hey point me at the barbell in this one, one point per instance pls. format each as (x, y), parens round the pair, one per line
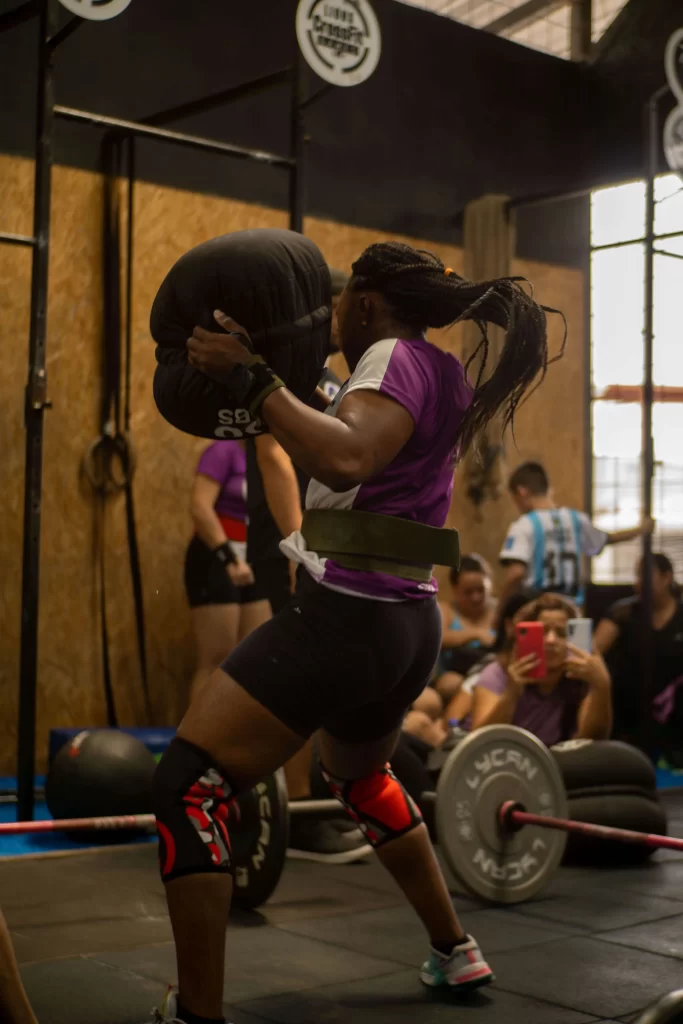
(500, 813)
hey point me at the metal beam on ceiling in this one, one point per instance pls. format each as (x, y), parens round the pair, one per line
(581, 29)
(526, 12)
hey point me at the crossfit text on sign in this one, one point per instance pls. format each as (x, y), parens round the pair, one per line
(340, 39)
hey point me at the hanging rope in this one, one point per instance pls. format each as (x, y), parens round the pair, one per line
(109, 463)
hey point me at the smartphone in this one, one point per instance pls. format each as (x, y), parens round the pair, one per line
(580, 633)
(530, 641)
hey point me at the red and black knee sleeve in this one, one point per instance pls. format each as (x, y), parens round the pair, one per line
(379, 803)
(191, 802)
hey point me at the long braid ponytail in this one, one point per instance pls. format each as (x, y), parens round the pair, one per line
(421, 293)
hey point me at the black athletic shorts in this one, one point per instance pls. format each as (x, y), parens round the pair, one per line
(346, 664)
(273, 582)
(207, 581)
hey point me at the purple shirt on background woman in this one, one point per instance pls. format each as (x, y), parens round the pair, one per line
(552, 717)
(226, 463)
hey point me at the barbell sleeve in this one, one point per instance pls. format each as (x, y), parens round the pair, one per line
(509, 814)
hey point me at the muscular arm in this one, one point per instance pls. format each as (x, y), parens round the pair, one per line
(514, 573)
(489, 709)
(340, 451)
(280, 484)
(595, 715)
(646, 526)
(594, 720)
(368, 431)
(206, 523)
(620, 536)
(605, 636)
(451, 638)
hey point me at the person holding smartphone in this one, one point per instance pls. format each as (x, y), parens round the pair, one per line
(542, 682)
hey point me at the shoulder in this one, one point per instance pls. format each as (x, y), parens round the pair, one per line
(219, 453)
(522, 524)
(623, 611)
(394, 368)
(415, 356)
(521, 527)
(493, 678)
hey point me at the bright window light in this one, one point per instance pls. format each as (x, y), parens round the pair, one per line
(617, 348)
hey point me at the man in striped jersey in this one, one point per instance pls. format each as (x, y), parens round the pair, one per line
(544, 549)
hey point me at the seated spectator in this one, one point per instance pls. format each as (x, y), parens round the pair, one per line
(619, 637)
(420, 725)
(429, 723)
(468, 631)
(459, 707)
(572, 700)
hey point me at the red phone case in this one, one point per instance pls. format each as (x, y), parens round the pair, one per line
(530, 641)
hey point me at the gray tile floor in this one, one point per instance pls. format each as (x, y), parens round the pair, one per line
(337, 944)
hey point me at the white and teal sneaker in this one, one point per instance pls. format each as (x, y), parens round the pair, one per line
(169, 1009)
(464, 969)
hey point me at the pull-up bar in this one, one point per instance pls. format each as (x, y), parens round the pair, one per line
(50, 36)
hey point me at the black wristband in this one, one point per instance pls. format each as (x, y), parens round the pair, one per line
(264, 382)
(224, 553)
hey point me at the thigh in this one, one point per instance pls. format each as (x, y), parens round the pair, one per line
(429, 702)
(347, 760)
(206, 580)
(215, 629)
(273, 582)
(392, 671)
(252, 615)
(281, 665)
(447, 685)
(237, 731)
(424, 728)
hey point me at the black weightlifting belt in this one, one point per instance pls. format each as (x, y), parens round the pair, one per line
(375, 543)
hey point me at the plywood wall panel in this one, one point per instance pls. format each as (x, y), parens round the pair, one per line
(167, 223)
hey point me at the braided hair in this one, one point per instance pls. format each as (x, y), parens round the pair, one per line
(422, 293)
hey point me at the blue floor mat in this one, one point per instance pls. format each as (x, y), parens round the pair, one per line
(669, 778)
(50, 842)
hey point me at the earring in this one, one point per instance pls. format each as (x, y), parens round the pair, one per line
(364, 323)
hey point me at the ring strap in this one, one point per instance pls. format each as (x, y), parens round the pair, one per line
(371, 542)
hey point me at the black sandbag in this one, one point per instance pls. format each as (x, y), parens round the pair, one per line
(275, 284)
(587, 763)
(636, 812)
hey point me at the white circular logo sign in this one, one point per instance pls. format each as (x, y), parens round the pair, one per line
(340, 39)
(95, 10)
(673, 62)
(673, 140)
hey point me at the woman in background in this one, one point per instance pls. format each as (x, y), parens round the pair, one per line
(619, 637)
(467, 624)
(226, 604)
(573, 698)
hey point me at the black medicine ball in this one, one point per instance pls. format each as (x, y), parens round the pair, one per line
(100, 773)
